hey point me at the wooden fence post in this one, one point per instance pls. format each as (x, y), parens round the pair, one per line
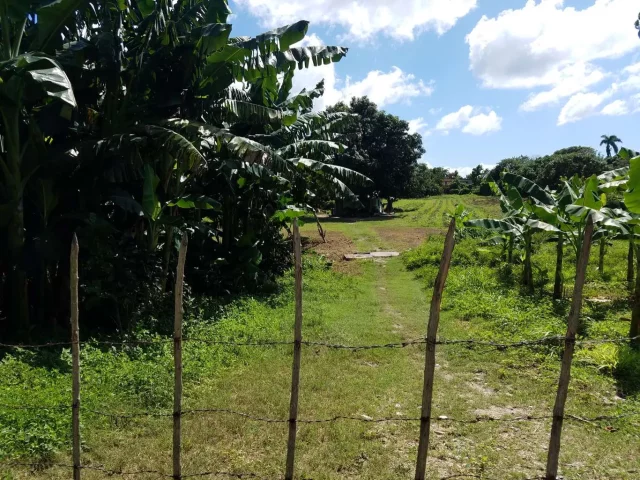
(75, 358)
(297, 353)
(177, 360)
(567, 357)
(430, 356)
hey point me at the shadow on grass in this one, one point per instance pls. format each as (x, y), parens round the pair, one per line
(627, 371)
(49, 358)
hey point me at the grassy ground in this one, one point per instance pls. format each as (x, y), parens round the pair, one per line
(373, 302)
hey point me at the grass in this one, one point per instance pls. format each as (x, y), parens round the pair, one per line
(385, 302)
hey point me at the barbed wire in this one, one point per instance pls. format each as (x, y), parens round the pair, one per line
(337, 418)
(552, 340)
(211, 473)
(123, 473)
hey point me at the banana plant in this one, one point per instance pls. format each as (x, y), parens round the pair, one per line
(632, 202)
(519, 223)
(31, 83)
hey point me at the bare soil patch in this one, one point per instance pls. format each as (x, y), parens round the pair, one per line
(337, 246)
(405, 238)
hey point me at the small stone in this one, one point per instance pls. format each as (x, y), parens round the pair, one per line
(366, 417)
(443, 417)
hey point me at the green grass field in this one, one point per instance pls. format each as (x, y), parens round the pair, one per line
(375, 302)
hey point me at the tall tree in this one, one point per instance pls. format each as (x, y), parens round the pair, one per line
(380, 146)
(611, 143)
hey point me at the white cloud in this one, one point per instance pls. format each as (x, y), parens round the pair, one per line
(466, 171)
(572, 79)
(586, 104)
(540, 44)
(618, 107)
(364, 19)
(418, 125)
(383, 88)
(434, 111)
(483, 123)
(470, 120)
(388, 88)
(632, 69)
(581, 106)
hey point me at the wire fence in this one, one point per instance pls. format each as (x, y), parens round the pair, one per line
(567, 342)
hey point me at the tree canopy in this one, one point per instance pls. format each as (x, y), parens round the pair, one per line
(379, 145)
(547, 171)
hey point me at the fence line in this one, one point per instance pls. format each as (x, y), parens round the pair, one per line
(239, 475)
(568, 341)
(557, 341)
(364, 419)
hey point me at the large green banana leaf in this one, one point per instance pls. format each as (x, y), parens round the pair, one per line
(350, 176)
(528, 188)
(33, 78)
(497, 225)
(632, 195)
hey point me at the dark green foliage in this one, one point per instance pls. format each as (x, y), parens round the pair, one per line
(547, 171)
(425, 181)
(149, 121)
(380, 146)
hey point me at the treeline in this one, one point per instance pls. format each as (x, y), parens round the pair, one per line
(546, 171)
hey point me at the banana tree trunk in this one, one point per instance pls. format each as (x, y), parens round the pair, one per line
(528, 270)
(510, 249)
(603, 246)
(167, 258)
(634, 331)
(228, 221)
(559, 280)
(630, 266)
(19, 301)
(19, 311)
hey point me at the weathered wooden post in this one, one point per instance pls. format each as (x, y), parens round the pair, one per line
(297, 353)
(567, 357)
(430, 356)
(177, 360)
(75, 358)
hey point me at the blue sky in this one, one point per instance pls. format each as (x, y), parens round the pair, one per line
(481, 80)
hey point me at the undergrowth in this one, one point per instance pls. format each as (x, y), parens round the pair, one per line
(483, 291)
(138, 378)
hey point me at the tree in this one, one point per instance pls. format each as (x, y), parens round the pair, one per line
(380, 146)
(521, 165)
(564, 163)
(548, 171)
(477, 175)
(637, 25)
(425, 181)
(611, 143)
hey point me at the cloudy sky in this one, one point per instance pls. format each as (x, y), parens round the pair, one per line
(478, 81)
